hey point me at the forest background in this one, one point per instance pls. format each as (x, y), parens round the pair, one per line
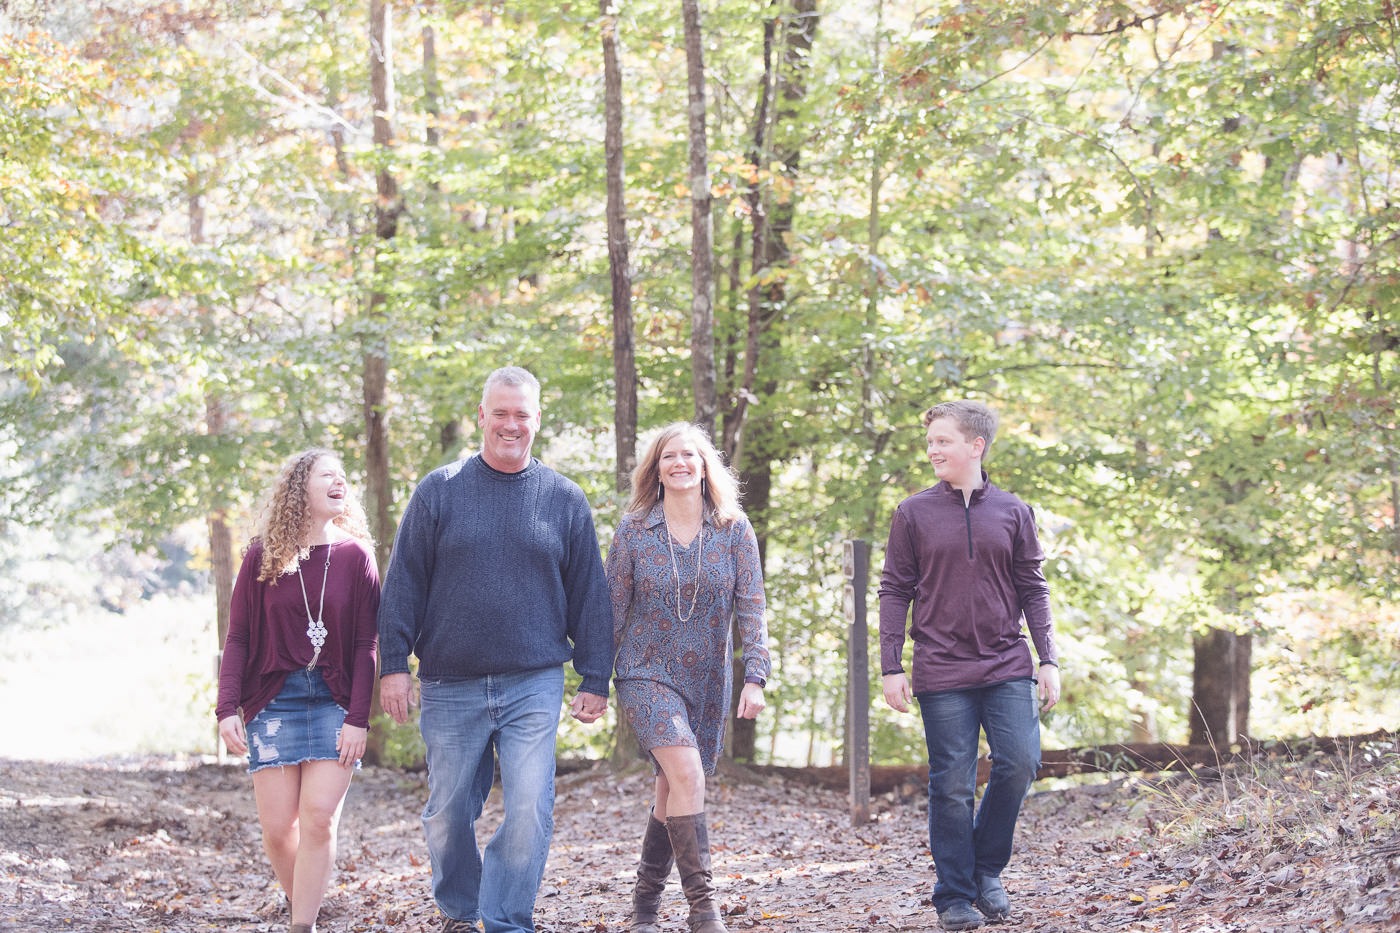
(1163, 238)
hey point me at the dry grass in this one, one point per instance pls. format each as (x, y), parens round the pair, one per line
(1316, 837)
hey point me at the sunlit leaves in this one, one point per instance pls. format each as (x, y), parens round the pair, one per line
(1160, 237)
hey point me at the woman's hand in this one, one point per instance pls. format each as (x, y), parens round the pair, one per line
(231, 731)
(751, 701)
(351, 744)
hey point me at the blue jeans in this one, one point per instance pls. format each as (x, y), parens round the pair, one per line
(463, 722)
(966, 847)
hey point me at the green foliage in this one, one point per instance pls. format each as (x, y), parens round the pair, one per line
(403, 744)
(1160, 238)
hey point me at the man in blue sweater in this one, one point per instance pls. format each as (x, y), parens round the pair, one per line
(494, 583)
(966, 556)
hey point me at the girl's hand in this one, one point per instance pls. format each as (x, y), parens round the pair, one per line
(351, 744)
(231, 731)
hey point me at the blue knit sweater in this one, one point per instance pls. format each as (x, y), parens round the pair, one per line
(496, 573)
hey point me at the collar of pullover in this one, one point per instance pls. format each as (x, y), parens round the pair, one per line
(496, 474)
(952, 492)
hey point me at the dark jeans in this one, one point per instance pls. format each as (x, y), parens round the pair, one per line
(967, 846)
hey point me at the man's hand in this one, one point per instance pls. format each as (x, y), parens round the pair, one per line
(588, 707)
(396, 695)
(898, 693)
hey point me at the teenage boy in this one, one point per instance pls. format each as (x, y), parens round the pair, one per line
(966, 556)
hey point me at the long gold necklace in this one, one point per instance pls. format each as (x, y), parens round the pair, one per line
(676, 569)
(315, 628)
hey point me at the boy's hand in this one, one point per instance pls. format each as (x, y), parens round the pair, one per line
(898, 693)
(1048, 686)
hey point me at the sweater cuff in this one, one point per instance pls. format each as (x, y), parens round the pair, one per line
(590, 686)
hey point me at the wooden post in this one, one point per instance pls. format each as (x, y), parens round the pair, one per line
(219, 754)
(855, 566)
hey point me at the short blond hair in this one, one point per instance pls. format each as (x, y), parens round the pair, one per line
(974, 419)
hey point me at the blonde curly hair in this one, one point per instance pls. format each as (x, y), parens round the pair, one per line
(285, 520)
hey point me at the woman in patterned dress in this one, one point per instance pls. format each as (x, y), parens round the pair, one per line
(683, 566)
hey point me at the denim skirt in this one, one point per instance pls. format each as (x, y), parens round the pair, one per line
(302, 723)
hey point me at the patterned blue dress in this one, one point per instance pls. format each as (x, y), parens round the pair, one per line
(674, 679)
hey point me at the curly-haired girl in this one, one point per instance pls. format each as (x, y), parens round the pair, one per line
(298, 669)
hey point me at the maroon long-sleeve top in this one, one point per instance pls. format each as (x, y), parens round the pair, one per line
(972, 572)
(267, 637)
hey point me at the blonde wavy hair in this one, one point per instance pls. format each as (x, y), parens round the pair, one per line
(285, 520)
(721, 486)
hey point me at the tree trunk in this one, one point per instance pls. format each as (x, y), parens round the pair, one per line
(378, 496)
(910, 781)
(222, 558)
(625, 748)
(784, 82)
(758, 486)
(376, 354)
(874, 233)
(1220, 688)
(753, 444)
(1221, 657)
(436, 209)
(702, 276)
(624, 354)
(221, 551)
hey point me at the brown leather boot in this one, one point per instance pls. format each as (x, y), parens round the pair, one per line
(302, 928)
(690, 842)
(652, 871)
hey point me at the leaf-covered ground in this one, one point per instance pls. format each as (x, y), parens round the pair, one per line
(166, 846)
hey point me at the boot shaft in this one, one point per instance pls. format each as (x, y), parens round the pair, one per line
(657, 858)
(653, 869)
(690, 841)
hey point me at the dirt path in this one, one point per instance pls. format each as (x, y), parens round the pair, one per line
(160, 846)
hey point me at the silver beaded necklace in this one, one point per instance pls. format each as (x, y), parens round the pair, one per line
(315, 628)
(676, 569)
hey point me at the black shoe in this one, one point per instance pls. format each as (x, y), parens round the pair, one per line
(991, 898)
(959, 915)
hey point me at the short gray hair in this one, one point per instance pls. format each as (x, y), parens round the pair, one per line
(511, 376)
